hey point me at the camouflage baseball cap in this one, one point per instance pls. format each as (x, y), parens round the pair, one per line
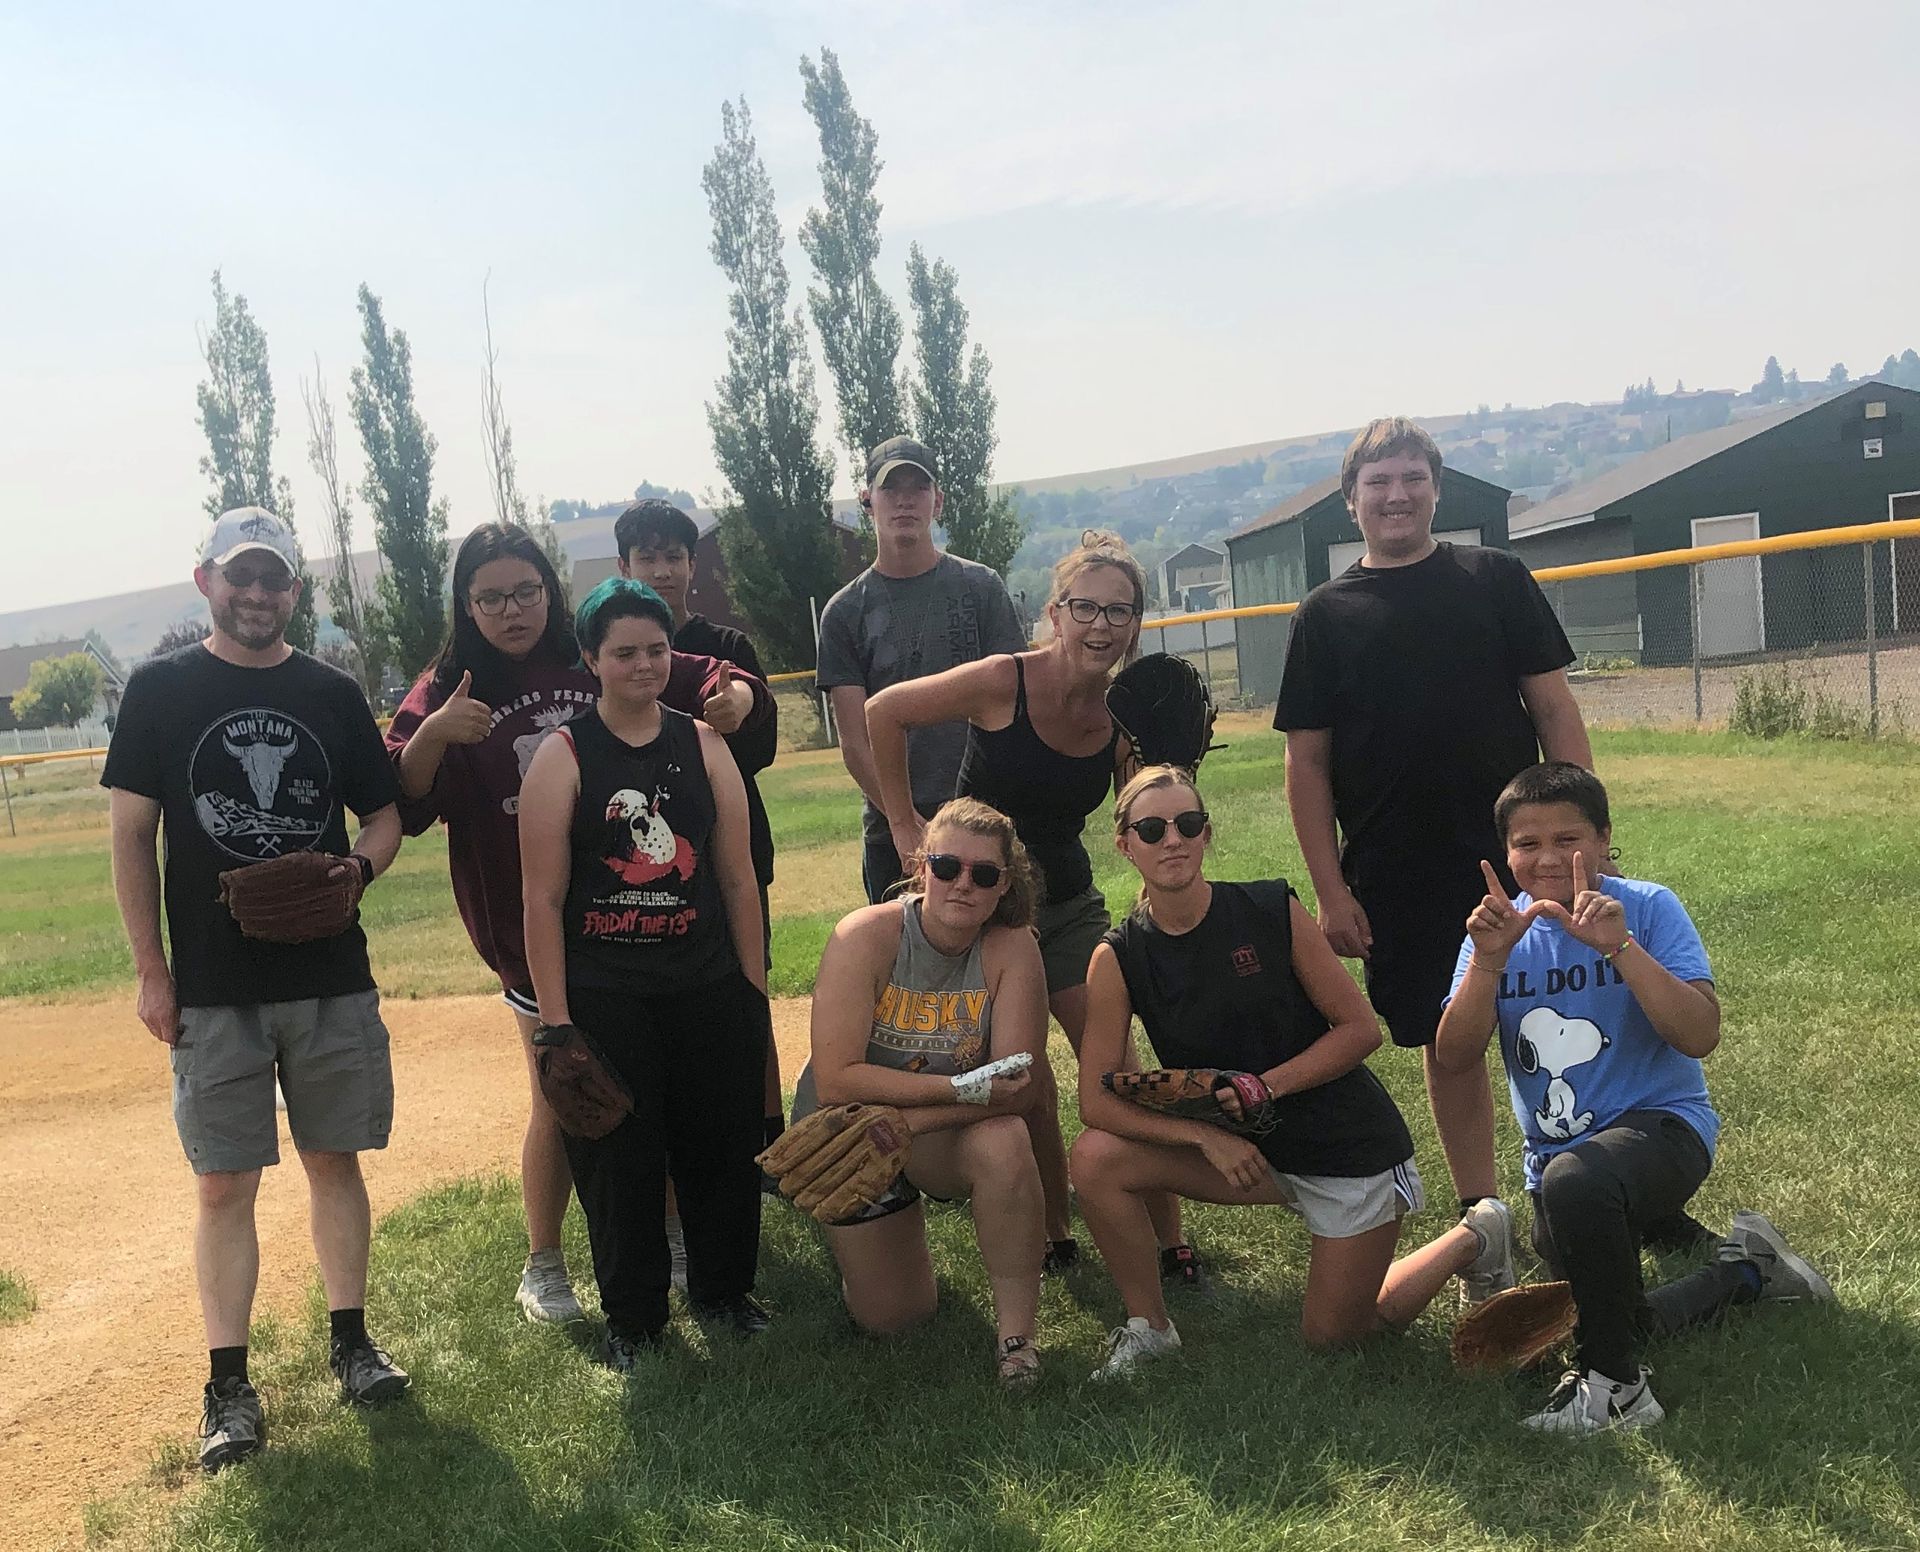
(894, 452)
(249, 528)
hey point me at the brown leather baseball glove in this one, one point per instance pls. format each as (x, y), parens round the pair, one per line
(587, 1095)
(839, 1159)
(293, 899)
(1194, 1092)
(1516, 1329)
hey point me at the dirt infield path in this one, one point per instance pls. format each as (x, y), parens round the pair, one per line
(96, 1214)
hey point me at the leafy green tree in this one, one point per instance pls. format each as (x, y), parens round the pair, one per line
(954, 406)
(858, 323)
(60, 691)
(408, 617)
(1772, 386)
(1837, 375)
(236, 413)
(181, 633)
(1907, 369)
(776, 526)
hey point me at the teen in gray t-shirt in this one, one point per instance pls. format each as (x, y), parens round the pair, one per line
(879, 630)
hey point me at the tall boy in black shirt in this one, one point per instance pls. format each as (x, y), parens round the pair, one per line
(1418, 682)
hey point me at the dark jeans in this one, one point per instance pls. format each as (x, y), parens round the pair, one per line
(696, 1062)
(879, 867)
(1597, 1202)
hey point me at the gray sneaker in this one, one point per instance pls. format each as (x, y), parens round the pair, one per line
(1491, 1271)
(1136, 1343)
(546, 1295)
(366, 1374)
(1784, 1275)
(232, 1426)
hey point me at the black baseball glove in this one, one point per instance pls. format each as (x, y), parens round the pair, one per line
(1163, 706)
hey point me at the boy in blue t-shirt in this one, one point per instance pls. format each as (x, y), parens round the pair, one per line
(1604, 1002)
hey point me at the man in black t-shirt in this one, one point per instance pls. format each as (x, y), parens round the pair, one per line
(244, 749)
(1418, 682)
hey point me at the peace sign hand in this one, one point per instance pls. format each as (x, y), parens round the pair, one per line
(1595, 919)
(1494, 925)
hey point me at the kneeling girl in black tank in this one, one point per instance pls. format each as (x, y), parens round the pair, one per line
(639, 888)
(911, 997)
(1042, 749)
(1238, 976)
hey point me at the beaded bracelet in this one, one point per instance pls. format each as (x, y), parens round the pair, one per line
(1620, 950)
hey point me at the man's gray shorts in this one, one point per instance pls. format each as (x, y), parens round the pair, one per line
(334, 1067)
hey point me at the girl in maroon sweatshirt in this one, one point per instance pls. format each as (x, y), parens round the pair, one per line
(463, 738)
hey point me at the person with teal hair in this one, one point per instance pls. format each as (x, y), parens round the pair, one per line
(643, 929)
(508, 678)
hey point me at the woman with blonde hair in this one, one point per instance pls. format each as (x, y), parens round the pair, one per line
(912, 997)
(1043, 750)
(1238, 976)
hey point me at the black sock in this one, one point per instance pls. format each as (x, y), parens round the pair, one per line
(771, 1128)
(349, 1326)
(229, 1363)
(1468, 1203)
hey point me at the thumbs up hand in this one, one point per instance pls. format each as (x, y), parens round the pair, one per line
(728, 701)
(461, 719)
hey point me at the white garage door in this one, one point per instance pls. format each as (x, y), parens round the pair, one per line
(1731, 619)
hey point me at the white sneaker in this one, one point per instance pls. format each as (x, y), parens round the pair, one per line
(1491, 1271)
(1136, 1343)
(546, 1294)
(1596, 1404)
(677, 1253)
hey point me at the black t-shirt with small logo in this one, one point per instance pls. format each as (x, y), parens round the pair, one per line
(1225, 995)
(248, 764)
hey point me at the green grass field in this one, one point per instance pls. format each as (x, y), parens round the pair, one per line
(16, 1299)
(1788, 1429)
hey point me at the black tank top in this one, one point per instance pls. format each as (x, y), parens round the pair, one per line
(1046, 794)
(644, 911)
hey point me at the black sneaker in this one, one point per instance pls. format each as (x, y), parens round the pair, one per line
(232, 1426)
(742, 1312)
(622, 1353)
(367, 1375)
(1181, 1267)
(1061, 1254)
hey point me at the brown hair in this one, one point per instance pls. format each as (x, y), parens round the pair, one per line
(1018, 905)
(1098, 547)
(1150, 778)
(1386, 437)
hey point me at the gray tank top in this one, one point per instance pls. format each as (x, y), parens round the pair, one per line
(932, 1016)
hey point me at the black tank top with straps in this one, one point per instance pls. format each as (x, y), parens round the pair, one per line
(644, 911)
(1046, 794)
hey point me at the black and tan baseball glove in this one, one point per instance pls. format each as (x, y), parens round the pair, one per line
(1195, 1093)
(586, 1093)
(293, 899)
(1164, 707)
(839, 1160)
(1516, 1329)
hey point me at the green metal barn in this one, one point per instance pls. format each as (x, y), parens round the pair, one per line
(1851, 458)
(1284, 554)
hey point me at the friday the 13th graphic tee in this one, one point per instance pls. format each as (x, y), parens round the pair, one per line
(248, 764)
(644, 910)
(1579, 1049)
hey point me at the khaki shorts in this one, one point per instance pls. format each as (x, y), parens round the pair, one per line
(1343, 1206)
(332, 1060)
(1069, 931)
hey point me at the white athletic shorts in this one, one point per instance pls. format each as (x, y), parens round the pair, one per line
(1343, 1206)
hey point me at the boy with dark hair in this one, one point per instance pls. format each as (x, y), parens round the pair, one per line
(1604, 1002)
(658, 543)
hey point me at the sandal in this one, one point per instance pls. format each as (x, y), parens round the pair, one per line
(1018, 1362)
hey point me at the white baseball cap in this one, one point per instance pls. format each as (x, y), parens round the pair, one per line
(249, 528)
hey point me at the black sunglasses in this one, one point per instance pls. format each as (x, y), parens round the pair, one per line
(272, 579)
(946, 867)
(1153, 829)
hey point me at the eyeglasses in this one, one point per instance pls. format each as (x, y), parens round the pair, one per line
(1153, 829)
(526, 595)
(272, 579)
(1085, 611)
(946, 867)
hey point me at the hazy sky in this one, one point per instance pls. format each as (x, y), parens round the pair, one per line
(1177, 227)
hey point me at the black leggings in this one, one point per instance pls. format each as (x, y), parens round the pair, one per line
(1597, 1202)
(696, 1062)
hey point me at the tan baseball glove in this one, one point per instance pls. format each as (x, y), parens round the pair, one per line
(1516, 1329)
(839, 1160)
(293, 899)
